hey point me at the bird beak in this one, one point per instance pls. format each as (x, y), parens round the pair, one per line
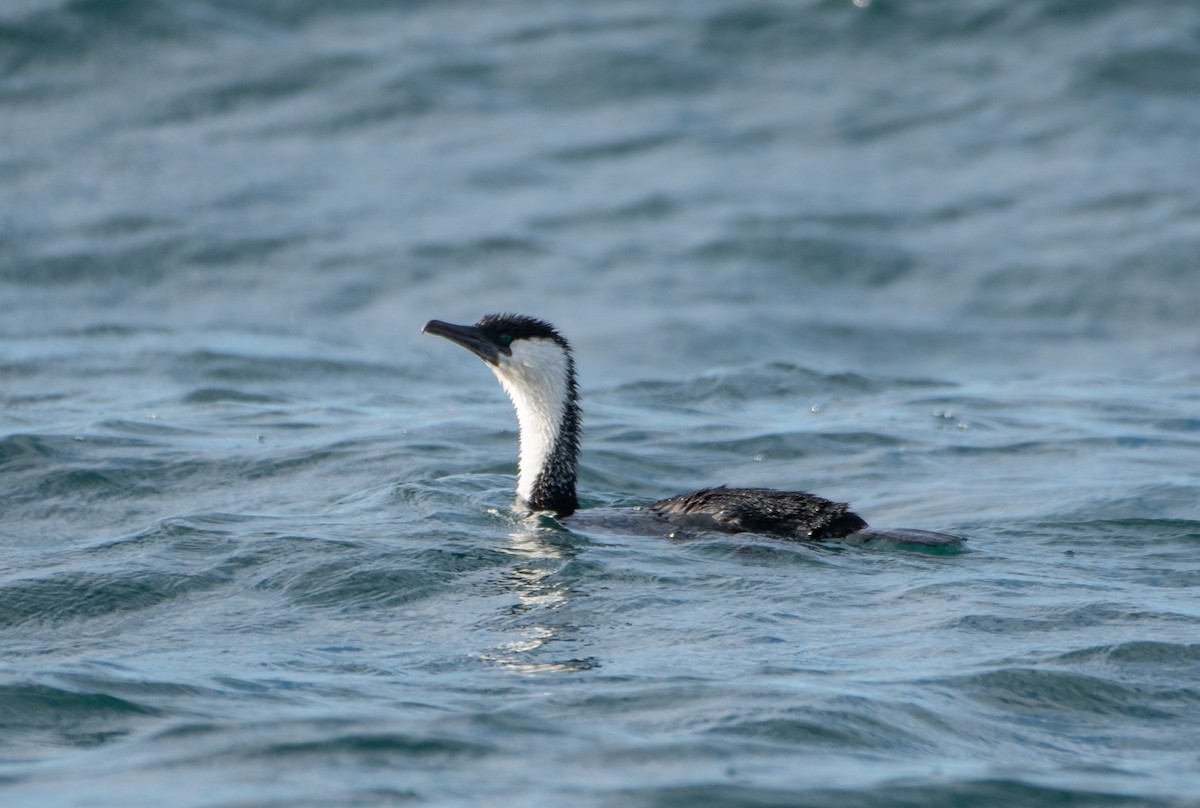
(467, 336)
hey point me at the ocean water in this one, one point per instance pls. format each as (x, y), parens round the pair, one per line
(259, 545)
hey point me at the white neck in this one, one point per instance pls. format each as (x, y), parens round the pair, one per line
(536, 379)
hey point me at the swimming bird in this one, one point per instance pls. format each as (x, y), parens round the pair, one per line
(535, 366)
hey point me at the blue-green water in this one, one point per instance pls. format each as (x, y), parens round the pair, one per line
(941, 259)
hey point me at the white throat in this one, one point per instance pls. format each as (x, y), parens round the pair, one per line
(536, 380)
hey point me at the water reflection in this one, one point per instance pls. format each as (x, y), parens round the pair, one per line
(541, 581)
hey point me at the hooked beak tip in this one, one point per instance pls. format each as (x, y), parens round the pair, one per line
(467, 336)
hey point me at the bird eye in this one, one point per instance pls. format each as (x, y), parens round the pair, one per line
(506, 339)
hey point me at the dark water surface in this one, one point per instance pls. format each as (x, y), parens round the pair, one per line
(941, 259)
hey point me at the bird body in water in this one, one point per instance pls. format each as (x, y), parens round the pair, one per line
(535, 366)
